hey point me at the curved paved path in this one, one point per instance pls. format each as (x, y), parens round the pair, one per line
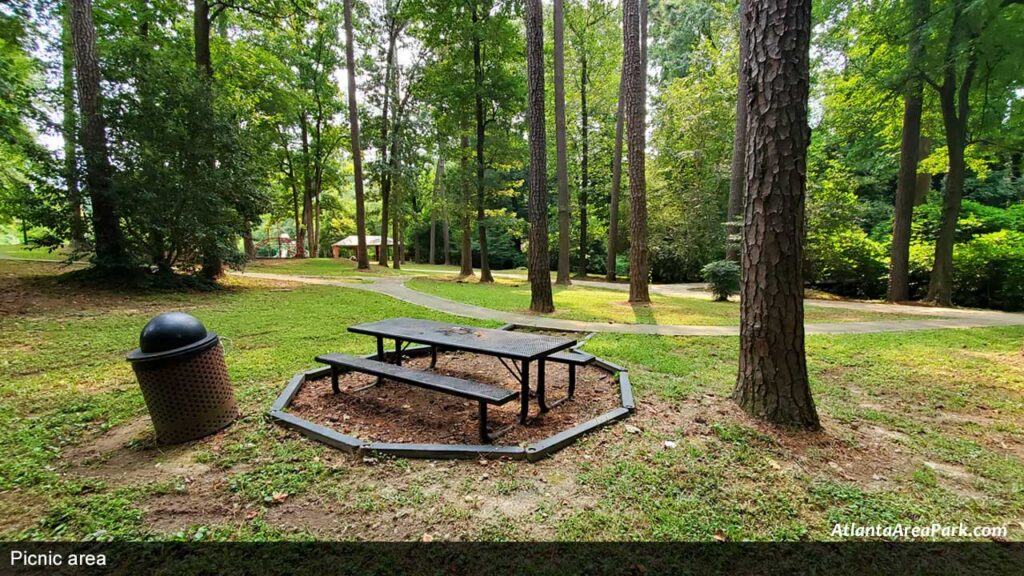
(394, 286)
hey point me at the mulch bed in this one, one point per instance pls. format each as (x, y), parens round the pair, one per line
(395, 412)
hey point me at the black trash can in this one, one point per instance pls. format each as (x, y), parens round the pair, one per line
(180, 368)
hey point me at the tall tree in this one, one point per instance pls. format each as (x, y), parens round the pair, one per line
(69, 131)
(438, 195)
(392, 26)
(613, 202)
(363, 263)
(536, 180)
(635, 69)
(466, 252)
(772, 382)
(737, 173)
(481, 123)
(110, 248)
(561, 152)
(913, 100)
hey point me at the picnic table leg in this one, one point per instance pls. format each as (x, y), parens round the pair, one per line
(484, 438)
(524, 394)
(398, 352)
(540, 386)
(433, 356)
(572, 380)
(334, 379)
(380, 349)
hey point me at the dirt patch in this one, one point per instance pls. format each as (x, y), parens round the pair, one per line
(308, 514)
(956, 479)
(174, 512)
(19, 511)
(129, 453)
(394, 412)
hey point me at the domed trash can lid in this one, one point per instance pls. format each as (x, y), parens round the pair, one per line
(170, 335)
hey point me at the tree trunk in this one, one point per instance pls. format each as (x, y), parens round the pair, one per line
(385, 174)
(467, 228)
(954, 102)
(613, 204)
(363, 263)
(561, 148)
(110, 249)
(396, 223)
(446, 239)
(305, 245)
(438, 193)
(478, 97)
(737, 174)
(212, 264)
(636, 77)
(248, 244)
(899, 258)
(536, 179)
(772, 382)
(584, 164)
(69, 131)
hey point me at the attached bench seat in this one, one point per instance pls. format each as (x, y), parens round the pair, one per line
(484, 394)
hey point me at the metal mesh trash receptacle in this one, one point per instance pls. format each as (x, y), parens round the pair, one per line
(180, 368)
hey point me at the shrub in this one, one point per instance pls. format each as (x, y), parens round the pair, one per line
(724, 278)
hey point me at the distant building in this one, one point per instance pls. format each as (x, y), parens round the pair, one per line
(351, 242)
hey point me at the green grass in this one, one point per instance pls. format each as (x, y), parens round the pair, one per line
(600, 305)
(20, 251)
(952, 398)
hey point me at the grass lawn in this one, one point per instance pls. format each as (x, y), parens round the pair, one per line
(599, 305)
(20, 251)
(920, 427)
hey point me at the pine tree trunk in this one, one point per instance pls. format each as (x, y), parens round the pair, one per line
(69, 131)
(467, 228)
(737, 175)
(305, 245)
(110, 249)
(536, 179)
(385, 173)
(899, 258)
(446, 239)
(636, 78)
(478, 92)
(363, 263)
(772, 382)
(561, 147)
(584, 165)
(437, 193)
(613, 204)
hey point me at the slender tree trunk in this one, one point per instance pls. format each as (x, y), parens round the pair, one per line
(363, 263)
(584, 165)
(478, 92)
(396, 223)
(212, 264)
(304, 245)
(69, 131)
(438, 193)
(737, 174)
(613, 204)
(772, 382)
(899, 259)
(247, 242)
(561, 147)
(536, 180)
(446, 239)
(636, 75)
(110, 248)
(467, 228)
(385, 174)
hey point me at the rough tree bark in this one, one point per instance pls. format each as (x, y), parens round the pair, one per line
(737, 174)
(772, 382)
(363, 263)
(385, 175)
(110, 249)
(899, 257)
(481, 123)
(69, 131)
(537, 261)
(584, 165)
(954, 102)
(634, 51)
(561, 147)
(466, 253)
(613, 203)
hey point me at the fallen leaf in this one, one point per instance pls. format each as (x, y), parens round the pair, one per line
(632, 429)
(428, 538)
(279, 497)
(668, 444)
(720, 535)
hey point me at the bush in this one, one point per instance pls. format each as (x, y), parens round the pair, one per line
(988, 271)
(724, 278)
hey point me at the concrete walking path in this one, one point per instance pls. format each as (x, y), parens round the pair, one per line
(394, 286)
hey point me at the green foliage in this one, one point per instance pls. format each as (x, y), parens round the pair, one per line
(723, 277)
(989, 271)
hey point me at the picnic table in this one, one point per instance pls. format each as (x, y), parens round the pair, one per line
(515, 350)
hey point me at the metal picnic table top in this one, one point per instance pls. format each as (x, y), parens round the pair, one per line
(489, 341)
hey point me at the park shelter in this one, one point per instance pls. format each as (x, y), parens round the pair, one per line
(350, 243)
